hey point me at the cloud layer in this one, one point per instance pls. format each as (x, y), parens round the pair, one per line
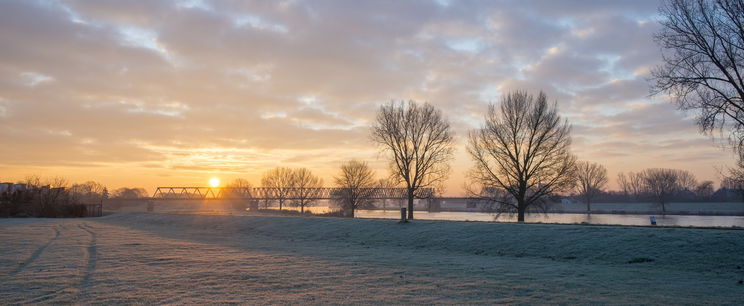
(172, 92)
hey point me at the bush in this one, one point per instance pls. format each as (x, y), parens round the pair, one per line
(40, 203)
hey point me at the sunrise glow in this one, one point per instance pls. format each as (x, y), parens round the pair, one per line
(249, 99)
(214, 182)
(372, 152)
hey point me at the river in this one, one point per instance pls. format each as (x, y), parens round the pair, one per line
(568, 218)
(563, 218)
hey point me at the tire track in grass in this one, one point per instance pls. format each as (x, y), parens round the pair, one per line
(75, 291)
(91, 256)
(43, 298)
(35, 255)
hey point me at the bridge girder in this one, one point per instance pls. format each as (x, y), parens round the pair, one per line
(283, 193)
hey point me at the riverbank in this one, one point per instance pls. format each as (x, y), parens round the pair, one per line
(166, 258)
(635, 208)
(645, 208)
(696, 221)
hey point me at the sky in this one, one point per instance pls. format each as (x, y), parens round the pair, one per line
(172, 93)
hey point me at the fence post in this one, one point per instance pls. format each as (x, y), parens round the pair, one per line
(403, 215)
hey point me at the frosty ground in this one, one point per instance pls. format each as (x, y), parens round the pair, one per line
(184, 259)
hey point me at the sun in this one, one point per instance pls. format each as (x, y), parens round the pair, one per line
(214, 182)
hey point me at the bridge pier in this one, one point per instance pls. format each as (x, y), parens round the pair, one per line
(252, 204)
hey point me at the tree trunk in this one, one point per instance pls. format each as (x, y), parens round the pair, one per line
(588, 207)
(280, 204)
(520, 211)
(302, 208)
(663, 208)
(410, 204)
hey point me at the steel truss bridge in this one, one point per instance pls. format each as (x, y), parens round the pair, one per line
(270, 193)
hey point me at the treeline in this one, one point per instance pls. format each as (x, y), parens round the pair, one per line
(522, 159)
(662, 186)
(56, 197)
(355, 182)
(521, 154)
(656, 185)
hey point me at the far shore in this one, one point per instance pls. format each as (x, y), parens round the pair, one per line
(629, 208)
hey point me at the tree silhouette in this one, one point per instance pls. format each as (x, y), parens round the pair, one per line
(419, 143)
(663, 184)
(306, 186)
(703, 61)
(358, 184)
(592, 178)
(523, 149)
(280, 182)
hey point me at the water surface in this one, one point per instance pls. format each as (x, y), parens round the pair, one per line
(562, 218)
(567, 218)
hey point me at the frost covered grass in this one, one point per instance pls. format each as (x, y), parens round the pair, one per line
(165, 258)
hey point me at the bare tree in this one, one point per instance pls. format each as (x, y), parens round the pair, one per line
(623, 183)
(358, 185)
(663, 184)
(51, 194)
(129, 193)
(734, 185)
(592, 178)
(524, 149)
(32, 181)
(686, 181)
(279, 182)
(704, 189)
(306, 187)
(703, 54)
(734, 179)
(88, 192)
(239, 183)
(239, 187)
(57, 182)
(419, 141)
(631, 185)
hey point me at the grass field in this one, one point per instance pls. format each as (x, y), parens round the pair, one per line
(183, 259)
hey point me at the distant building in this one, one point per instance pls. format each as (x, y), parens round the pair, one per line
(5, 187)
(18, 187)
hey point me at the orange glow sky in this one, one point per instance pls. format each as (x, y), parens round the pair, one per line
(151, 93)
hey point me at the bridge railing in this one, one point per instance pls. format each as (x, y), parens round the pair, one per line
(276, 193)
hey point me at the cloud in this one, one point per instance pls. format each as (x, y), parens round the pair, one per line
(174, 89)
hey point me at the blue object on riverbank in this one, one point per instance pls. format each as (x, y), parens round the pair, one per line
(653, 220)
